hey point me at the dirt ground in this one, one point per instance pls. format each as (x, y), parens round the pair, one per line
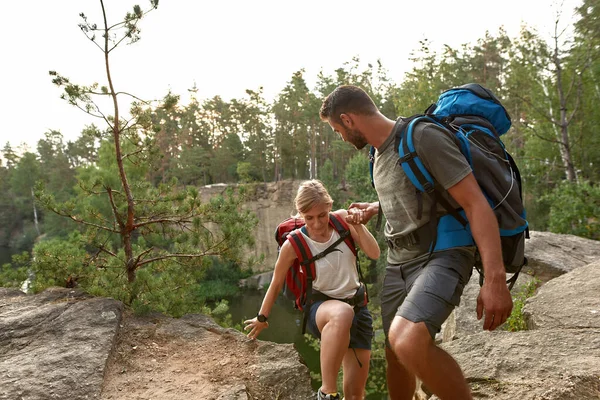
(151, 365)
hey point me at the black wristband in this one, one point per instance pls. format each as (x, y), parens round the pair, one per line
(261, 318)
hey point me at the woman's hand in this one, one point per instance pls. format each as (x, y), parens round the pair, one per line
(255, 327)
(361, 213)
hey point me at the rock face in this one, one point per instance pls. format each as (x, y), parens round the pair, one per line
(272, 202)
(55, 345)
(551, 254)
(569, 302)
(463, 320)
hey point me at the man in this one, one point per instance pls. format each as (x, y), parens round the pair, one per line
(421, 289)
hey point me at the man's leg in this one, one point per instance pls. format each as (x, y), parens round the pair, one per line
(416, 350)
(432, 292)
(334, 319)
(401, 383)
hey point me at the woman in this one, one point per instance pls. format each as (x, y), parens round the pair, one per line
(345, 331)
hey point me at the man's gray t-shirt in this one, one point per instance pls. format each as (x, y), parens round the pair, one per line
(398, 196)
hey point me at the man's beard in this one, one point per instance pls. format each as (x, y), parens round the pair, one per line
(356, 138)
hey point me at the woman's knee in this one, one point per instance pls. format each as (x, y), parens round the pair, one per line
(339, 314)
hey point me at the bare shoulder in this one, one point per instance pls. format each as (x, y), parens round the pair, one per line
(287, 250)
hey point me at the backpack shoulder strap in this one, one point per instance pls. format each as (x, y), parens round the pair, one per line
(302, 252)
(409, 159)
(344, 230)
(413, 166)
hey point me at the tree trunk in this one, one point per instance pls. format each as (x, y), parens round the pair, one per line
(128, 226)
(565, 148)
(35, 216)
(313, 152)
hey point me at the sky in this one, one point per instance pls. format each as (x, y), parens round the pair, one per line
(224, 47)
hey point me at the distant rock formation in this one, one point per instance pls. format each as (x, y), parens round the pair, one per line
(272, 202)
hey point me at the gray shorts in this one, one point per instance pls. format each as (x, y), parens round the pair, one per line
(428, 292)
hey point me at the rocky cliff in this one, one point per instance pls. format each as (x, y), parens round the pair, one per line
(272, 202)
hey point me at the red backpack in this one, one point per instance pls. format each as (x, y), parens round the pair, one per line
(298, 280)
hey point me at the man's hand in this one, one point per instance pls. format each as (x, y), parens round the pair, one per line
(495, 301)
(361, 213)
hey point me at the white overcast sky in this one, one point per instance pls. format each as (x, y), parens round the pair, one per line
(227, 46)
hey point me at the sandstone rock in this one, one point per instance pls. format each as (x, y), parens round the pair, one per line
(463, 320)
(570, 301)
(55, 345)
(203, 361)
(552, 254)
(272, 202)
(260, 281)
(531, 365)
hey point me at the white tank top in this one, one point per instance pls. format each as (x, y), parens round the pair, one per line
(337, 276)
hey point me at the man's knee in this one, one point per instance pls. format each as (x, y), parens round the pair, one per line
(408, 340)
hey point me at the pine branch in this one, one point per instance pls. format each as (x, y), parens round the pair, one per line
(114, 207)
(178, 255)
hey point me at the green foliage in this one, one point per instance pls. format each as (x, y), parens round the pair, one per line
(220, 313)
(57, 262)
(326, 175)
(15, 273)
(245, 172)
(169, 286)
(574, 209)
(516, 320)
(359, 178)
(377, 382)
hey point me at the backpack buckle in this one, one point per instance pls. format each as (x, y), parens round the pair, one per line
(407, 157)
(405, 241)
(428, 187)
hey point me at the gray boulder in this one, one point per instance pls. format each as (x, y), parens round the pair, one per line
(558, 359)
(55, 345)
(552, 254)
(571, 301)
(553, 364)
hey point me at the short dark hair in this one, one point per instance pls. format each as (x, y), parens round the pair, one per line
(346, 99)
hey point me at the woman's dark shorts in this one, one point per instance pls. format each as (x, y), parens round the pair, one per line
(361, 332)
(427, 292)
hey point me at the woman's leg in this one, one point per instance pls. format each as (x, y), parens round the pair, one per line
(355, 374)
(334, 319)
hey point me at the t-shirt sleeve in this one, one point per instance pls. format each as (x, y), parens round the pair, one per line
(440, 155)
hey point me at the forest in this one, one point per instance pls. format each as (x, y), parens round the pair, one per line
(118, 211)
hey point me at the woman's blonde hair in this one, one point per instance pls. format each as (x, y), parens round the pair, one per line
(311, 193)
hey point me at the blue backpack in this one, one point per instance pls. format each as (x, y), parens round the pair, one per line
(476, 119)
